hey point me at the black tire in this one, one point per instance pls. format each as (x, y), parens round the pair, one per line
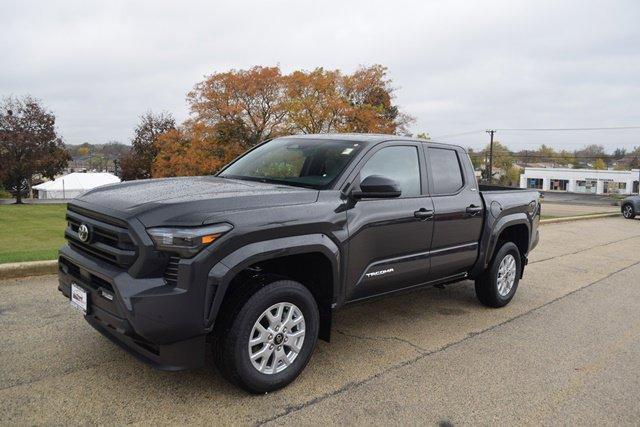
(627, 211)
(487, 284)
(231, 340)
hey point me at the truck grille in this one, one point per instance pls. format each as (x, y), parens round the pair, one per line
(109, 238)
(171, 271)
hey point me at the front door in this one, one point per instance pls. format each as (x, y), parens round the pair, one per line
(389, 238)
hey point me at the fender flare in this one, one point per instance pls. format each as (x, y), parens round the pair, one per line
(220, 276)
(488, 245)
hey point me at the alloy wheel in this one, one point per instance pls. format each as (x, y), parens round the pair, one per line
(506, 275)
(276, 338)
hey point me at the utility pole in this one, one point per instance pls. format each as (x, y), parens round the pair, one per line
(491, 132)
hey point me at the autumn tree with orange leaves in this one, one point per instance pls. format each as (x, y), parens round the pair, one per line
(249, 102)
(235, 110)
(315, 102)
(195, 149)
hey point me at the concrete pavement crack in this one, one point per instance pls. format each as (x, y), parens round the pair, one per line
(402, 340)
(353, 384)
(59, 374)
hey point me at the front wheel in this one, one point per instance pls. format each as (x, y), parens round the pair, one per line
(269, 339)
(497, 286)
(628, 212)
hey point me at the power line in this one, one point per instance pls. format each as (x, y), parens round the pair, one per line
(552, 156)
(527, 156)
(563, 143)
(457, 134)
(452, 135)
(566, 129)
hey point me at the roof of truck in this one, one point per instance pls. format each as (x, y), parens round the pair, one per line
(371, 138)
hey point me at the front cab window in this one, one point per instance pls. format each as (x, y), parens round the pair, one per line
(399, 163)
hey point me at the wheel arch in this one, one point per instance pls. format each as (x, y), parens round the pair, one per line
(515, 228)
(312, 260)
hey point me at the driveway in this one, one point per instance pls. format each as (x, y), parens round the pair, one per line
(566, 350)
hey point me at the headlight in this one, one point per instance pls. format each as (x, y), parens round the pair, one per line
(187, 241)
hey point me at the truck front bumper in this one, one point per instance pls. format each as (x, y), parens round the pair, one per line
(146, 317)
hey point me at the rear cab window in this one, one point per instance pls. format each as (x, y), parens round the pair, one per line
(446, 170)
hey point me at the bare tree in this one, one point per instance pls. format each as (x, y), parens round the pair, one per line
(138, 163)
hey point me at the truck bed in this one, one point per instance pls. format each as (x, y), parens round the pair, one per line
(501, 202)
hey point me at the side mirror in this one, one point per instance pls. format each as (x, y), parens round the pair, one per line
(377, 187)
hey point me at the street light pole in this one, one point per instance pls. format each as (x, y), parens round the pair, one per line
(491, 132)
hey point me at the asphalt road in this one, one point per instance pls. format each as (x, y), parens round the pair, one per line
(566, 350)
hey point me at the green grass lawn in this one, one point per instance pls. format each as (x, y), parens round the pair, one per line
(31, 232)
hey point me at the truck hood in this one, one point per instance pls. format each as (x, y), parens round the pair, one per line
(189, 200)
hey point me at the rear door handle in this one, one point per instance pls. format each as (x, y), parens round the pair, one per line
(423, 214)
(473, 210)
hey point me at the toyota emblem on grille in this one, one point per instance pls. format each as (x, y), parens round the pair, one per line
(83, 232)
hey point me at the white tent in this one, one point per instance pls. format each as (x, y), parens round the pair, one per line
(74, 184)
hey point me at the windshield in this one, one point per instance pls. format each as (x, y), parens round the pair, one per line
(314, 163)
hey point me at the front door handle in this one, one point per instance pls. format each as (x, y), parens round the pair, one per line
(473, 210)
(423, 214)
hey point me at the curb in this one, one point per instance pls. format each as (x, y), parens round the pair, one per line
(578, 218)
(23, 269)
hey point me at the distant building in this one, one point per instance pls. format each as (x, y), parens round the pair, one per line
(73, 184)
(78, 163)
(589, 181)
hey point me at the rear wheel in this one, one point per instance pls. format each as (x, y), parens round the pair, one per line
(628, 212)
(497, 286)
(269, 339)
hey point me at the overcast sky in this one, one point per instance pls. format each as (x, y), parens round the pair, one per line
(457, 65)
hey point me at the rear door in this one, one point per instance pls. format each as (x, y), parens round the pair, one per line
(459, 211)
(389, 238)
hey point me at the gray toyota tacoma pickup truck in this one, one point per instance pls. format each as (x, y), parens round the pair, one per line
(254, 260)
